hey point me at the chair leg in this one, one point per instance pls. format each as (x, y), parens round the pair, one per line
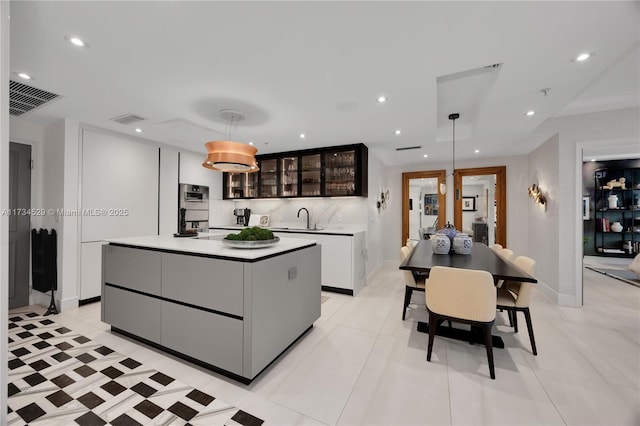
(432, 333)
(486, 331)
(408, 291)
(510, 315)
(515, 320)
(527, 317)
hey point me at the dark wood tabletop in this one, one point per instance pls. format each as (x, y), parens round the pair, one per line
(422, 259)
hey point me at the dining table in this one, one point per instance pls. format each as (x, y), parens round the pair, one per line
(422, 259)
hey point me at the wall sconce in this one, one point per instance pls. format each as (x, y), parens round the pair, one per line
(382, 201)
(536, 194)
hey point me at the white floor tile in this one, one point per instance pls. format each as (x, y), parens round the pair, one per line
(362, 365)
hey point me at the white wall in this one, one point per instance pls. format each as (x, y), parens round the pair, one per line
(574, 132)
(517, 177)
(544, 223)
(4, 200)
(468, 217)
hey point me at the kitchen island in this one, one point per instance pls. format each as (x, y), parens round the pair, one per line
(231, 310)
(344, 254)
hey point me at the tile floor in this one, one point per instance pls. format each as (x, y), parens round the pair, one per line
(362, 365)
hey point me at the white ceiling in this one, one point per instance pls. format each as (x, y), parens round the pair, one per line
(318, 67)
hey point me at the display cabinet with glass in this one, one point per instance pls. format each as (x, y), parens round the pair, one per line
(268, 178)
(240, 185)
(340, 173)
(311, 173)
(617, 212)
(323, 172)
(289, 176)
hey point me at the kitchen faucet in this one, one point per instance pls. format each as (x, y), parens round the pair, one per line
(308, 227)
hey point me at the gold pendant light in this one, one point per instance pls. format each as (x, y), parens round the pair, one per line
(230, 156)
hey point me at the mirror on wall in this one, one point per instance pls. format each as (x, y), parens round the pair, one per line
(480, 207)
(423, 207)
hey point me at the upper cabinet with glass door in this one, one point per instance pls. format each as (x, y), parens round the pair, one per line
(289, 176)
(240, 185)
(268, 178)
(311, 175)
(324, 172)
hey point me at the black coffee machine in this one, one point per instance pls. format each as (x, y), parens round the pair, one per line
(242, 216)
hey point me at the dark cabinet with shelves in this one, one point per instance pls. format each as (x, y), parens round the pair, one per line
(240, 185)
(617, 212)
(325, 172)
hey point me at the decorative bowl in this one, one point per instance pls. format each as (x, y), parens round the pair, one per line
(257, 244)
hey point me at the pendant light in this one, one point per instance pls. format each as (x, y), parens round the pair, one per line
(230, 156)
(453, 117)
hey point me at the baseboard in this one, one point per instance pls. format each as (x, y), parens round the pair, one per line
(40, 298)
(558, 298)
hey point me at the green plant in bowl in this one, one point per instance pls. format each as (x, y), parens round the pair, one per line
(255, 233)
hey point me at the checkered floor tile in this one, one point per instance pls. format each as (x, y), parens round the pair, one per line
(58, 377)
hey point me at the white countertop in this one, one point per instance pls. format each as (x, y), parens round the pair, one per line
(294, 229)
(201, 245)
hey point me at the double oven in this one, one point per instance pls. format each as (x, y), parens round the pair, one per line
(194, 199)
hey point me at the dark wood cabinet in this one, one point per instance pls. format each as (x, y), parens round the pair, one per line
(337, 171)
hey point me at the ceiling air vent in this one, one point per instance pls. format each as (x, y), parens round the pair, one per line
(128, 119)
(407, 148)
(23, 98)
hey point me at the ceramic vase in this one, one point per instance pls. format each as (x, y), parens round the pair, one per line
(462, 244)
(616, 227)
(613, 201)
(440, 243)
(449, 231)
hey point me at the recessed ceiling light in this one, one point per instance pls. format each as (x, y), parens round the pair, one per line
(24, 75)
(426, 155)
(138, 130)
(302, 136)
(382, 99)
(593, 159)
(397, 132)
(250, 143)
(530, 113)
(76, 41)
(582, 57)
(476, 151)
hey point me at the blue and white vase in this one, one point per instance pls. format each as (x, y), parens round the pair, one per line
(462, 244)
(440, 243)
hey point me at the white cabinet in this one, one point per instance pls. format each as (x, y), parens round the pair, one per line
(168, 202)
(119, 187)
(343, 260)
(91, 270)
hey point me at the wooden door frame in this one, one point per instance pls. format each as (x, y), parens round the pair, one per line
(501, 197)
(441, 175)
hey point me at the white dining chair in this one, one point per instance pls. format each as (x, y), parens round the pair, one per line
(515, 296)
(411, 283)
(461, 295)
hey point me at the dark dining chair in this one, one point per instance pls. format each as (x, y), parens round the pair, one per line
(515, 296)
(465, 296)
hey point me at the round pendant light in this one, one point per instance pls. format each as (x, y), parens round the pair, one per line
(230, 156)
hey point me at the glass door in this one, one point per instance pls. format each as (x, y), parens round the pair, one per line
(269, 178)
(234, 185)
(289, 177)
(241, 185)
(340, 173)
(311, 175)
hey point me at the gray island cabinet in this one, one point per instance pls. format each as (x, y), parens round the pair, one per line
(231, 310)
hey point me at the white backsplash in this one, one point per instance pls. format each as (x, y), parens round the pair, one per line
(330, 213)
